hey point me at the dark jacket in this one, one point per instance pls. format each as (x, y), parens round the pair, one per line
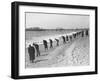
(50, 41)
(31, 51)
(45, 43)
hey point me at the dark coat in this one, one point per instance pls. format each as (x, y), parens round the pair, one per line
(82, 33)
(66, 38)
(70, 37)
(74, 35)
(87, 33)
(31, 51)
(36, 46)
(37, 49)
(50, 41)
(63, 39)
(45, 43)
(57, 42)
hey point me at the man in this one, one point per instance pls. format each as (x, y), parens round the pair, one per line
(37, 49)
(51, 46)
(70, 38)
(82, 33)
(57, 42)
(45, 45)
(31, 51)
(87, 33)
(77, 34)
(66, 38)
(74, 35)
(64, 41)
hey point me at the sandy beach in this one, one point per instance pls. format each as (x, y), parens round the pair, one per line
(73, 53)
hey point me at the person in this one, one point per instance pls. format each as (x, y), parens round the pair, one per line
(45, 45)
(70, 38)
(66, 38)
(64, 41)
(82, 33)
(74, 35)
(87, 33)
(51, 46)
(77, 34)
(57, 42)
(37, 49)
(31, 51)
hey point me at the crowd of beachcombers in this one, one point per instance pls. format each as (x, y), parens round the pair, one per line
(33, 49)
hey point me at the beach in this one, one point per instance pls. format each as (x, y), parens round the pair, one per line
(73, 53)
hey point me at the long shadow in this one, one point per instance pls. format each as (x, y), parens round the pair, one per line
(44, 55)
(40, 60)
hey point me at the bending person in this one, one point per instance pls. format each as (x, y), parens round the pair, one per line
(45, 45)
(64, 41)
(51, 42)
(37, 49)
(57, 42)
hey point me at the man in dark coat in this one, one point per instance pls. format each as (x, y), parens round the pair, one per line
(70, 38)
(82, 33)
(87, 33)
(77, 34)
(37, 49)
(51, 46)
(57, 42)
(64, 41)
(66, 38)
(31, 51)
(45, 45)
(74, 35)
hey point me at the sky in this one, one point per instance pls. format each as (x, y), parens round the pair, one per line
(53, 21)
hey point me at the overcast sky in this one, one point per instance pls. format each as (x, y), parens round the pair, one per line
(52, 21)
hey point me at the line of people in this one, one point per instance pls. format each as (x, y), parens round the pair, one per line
(33, 50)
